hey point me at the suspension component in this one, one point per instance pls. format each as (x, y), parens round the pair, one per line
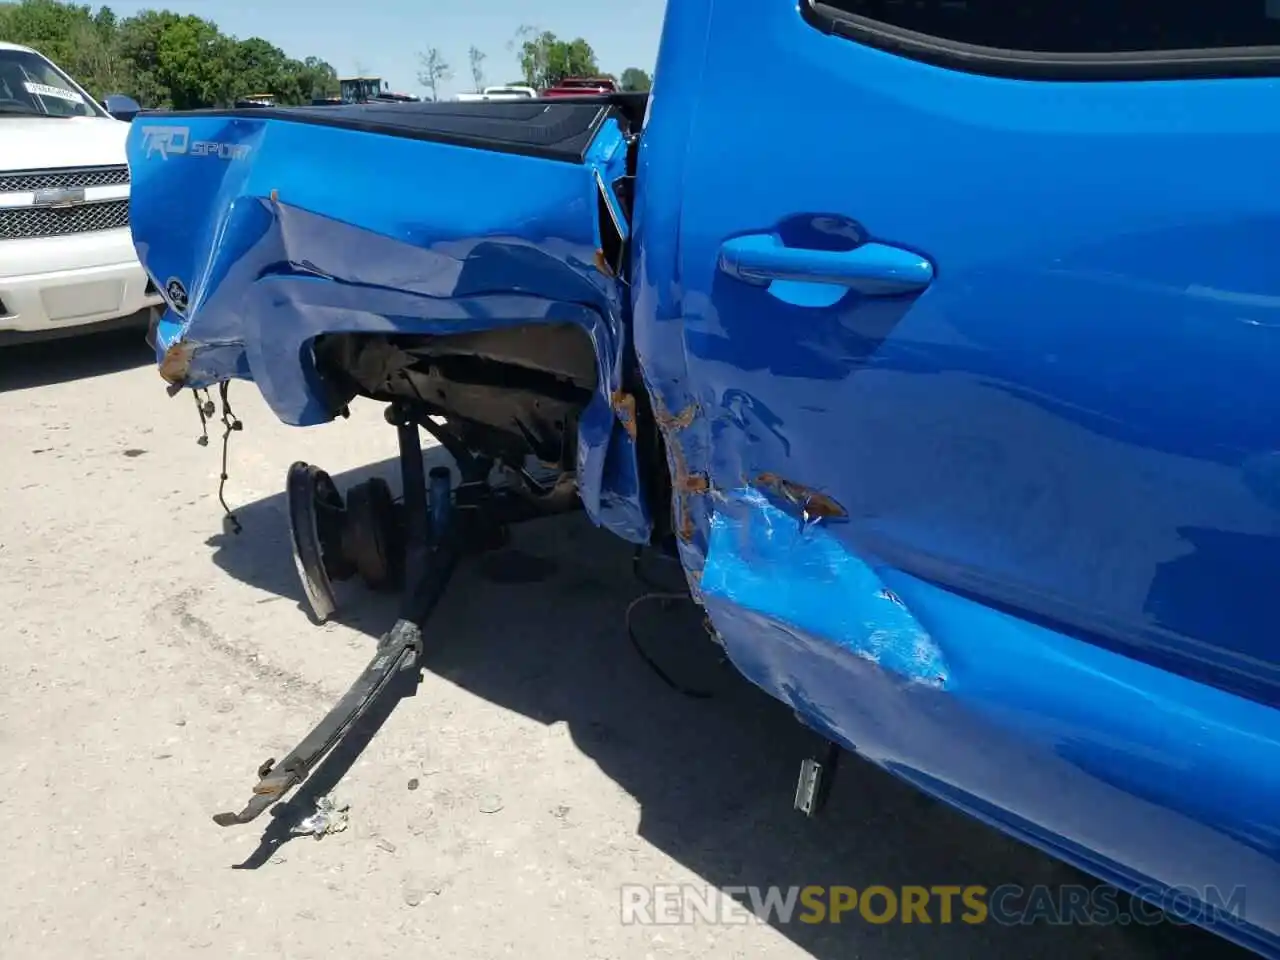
(415, 545)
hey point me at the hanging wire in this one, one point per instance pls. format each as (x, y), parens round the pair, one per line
(230, 424)
(205, 409)
(667, 598)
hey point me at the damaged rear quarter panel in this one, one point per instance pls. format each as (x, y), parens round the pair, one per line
(426, 238)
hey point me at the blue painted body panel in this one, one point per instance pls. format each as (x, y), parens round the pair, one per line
(975, 377)
(272, 255)
(1043, 589)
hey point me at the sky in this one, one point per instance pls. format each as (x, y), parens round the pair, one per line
(384, 37)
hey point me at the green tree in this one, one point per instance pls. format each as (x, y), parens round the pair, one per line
(161, 58)
(258, 67)
(81, 42)
(633, 78)
(517, 44)
(546, 60)
(477, 57)
(319, 78)
(433, 71)
(45, 25)
(98, 64)
(195, 63)
(262, 67)
(181, 61)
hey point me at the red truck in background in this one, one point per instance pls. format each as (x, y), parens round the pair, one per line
(581, 87)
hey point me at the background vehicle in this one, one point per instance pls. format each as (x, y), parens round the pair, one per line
(66, 257)
(256, 100)
(499, 93)
(369, 89)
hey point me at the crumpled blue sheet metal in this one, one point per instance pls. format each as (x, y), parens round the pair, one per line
(261, 247)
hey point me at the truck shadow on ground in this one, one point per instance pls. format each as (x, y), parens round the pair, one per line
(539, 628)
(42, 363)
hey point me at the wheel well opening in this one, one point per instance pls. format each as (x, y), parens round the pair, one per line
(515, 391)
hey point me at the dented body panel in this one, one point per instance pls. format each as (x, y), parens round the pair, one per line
(1013, 534)
(268, 256)
(964, 386)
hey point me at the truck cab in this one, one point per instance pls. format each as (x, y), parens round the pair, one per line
(365, 90)
(360, 89)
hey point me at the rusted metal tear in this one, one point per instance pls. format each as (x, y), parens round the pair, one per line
(624, 407)
(602, 264)
(176, 363)
(684, 484)
(696, 483)
(686, 531)
(680, 421)
(679, 486)
(814, 505)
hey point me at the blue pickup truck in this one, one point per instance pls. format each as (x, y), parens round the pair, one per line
(945, 365)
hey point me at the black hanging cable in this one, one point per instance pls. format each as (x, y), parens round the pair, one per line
(660, 594)
(230, 424)
(638, 571)
(644, 655)
(204, 410)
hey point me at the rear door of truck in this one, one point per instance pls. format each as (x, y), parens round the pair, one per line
(970, 375)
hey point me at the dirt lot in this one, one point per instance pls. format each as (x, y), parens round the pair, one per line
(151, 661)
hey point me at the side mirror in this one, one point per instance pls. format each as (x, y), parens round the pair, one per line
(122, 107)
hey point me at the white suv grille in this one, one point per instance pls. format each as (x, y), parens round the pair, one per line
(28, 181)
(27, 223)
(30, 222)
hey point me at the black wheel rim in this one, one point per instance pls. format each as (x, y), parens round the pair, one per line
(305, 489)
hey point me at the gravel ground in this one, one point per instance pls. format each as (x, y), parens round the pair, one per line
(151, 661)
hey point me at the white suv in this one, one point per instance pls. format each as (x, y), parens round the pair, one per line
(66, 257)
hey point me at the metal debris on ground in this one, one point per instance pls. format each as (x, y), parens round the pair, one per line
(330, 817)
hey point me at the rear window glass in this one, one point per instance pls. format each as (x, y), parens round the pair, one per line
(1080, 26)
